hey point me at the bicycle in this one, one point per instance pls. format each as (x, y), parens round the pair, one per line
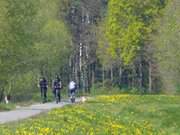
(72, 97)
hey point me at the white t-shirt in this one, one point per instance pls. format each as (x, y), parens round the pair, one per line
(72, 85)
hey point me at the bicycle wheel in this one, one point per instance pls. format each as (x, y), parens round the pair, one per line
(57, 96)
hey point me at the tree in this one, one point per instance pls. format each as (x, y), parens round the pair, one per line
(128, 28)
(128, 25)
(32, 37)
(53, 41)
(16, 37)
(167, 44)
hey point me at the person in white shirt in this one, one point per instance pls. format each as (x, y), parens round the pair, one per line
(72, 90)
(72, 85)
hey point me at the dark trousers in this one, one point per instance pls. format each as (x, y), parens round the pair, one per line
(57, 94)
(72, 91)
(44, 94)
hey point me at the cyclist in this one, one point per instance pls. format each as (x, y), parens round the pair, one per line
(72, 90)
(57, 85)
(43, 84)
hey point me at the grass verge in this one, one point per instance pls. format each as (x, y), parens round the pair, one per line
(6, 107)
(106, 115)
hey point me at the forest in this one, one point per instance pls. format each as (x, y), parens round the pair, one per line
(132, 45)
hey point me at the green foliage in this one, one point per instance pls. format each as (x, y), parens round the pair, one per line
(3, 48)
(102, 50)
(53, 45)
(66, 5)
(128, 25)
(16, 36)
(33, 40)
(167, 44)
(23, 86)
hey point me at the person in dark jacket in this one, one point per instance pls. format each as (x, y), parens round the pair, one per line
(43, 84)
(57, 85)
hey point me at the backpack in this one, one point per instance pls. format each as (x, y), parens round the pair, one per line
(57, 84)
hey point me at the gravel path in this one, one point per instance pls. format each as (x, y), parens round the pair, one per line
(30, 111)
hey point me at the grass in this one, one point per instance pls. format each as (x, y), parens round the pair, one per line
(106, 115)
(6, 107)
(115, 90)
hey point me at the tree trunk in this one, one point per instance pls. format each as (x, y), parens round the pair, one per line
(112, 75)
(93, 75)
(1, 94)
(103, 76)
(150, 77)
(85, 78)
(140, 75)
(70, 68)
(133, 76)
(120, 75)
